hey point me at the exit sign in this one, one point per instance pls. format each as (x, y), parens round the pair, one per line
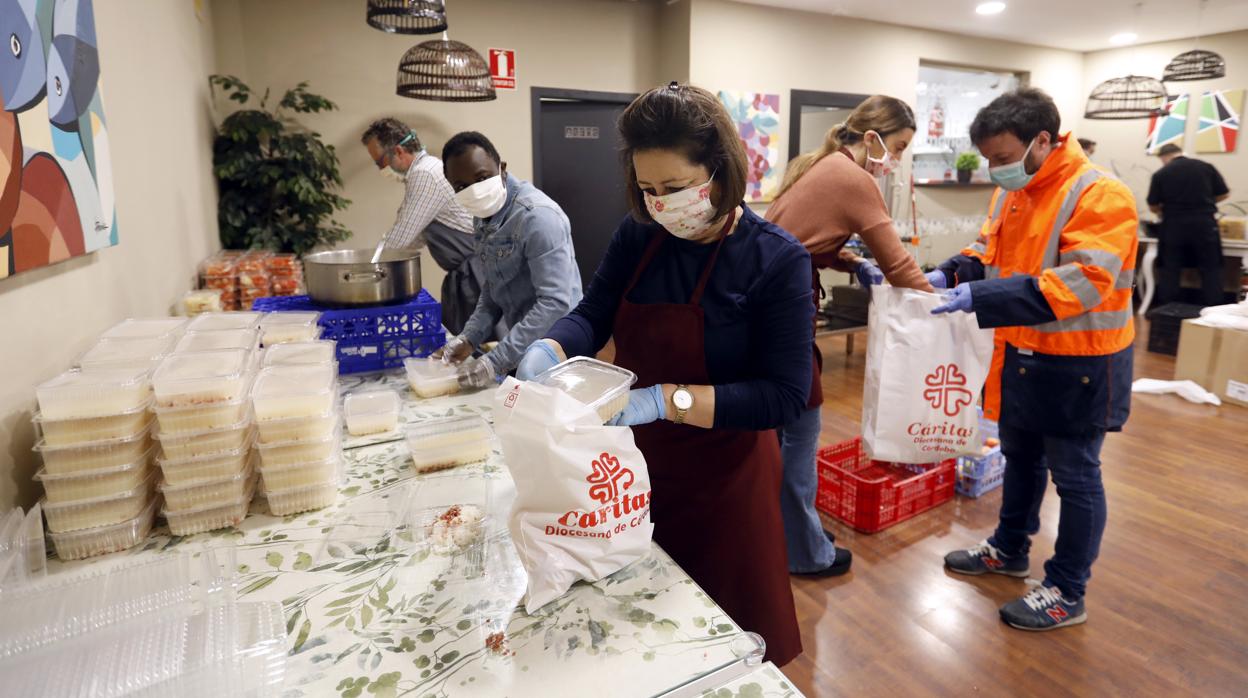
(503, 68)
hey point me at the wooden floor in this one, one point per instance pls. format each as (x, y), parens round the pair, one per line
(1167, 603)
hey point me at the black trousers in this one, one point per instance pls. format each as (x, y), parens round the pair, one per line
(1191, 241)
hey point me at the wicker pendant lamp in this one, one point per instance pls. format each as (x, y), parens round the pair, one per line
(1130, 97)
(445, 71)
(407, 16)
(1195, 64)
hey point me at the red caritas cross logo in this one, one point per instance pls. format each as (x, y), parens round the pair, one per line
(608, 479)
(947, 390)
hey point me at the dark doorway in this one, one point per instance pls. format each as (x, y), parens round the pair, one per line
(576, 162)
(812, 113)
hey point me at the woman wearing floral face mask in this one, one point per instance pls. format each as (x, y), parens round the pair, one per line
(827, 196)
(710, 306)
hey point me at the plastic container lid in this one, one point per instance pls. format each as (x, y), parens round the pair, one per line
(78, 393)
(52, 509)
(145, 327)
(42, 446)
(300, 353)
(41, 419)
(123, 353)
(289, 318)
(590, 381)
(142, 462)
(223, 371)
(209, 322)
(440, 427)
(428, 370)
(372, 402)
(276, 386)
(218, 340)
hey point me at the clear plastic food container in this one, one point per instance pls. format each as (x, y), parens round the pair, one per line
(36, 548)
(136, 353)
(69, 432)
(431, 377)
(207, 493)
(209, 322)
(76, 545)
(299, 428)
(371, 412)
(217, 340)
(206, 443)
(302, 354)
(299, 499)
(599, 385)
(297, 452)
(203, 300)
(283, 392)
(283, 264)
(200, 418)
(216, 466)
(93, 484)
(94, 455)
(450, 513)
(288, 477)
(101, 511)
(448, 443)
(210, 518)
(146, 327)
(202, 378)
(93, 393)
(282, 328)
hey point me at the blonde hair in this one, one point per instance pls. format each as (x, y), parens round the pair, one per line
(880, 113)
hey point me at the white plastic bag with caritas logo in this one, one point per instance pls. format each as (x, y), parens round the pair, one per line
(582, 508)
(924, 375)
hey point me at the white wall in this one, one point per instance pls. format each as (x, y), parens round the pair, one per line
(1120, 144)
(154, 56)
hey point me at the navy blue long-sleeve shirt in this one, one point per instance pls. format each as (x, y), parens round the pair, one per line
(757, 306)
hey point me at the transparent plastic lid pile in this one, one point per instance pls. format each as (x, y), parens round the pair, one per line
(234, 279)
(179, 395)
(161, 626)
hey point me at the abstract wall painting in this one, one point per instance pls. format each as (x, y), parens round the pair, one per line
(56, 185)
(1168, 127)
(757, 116)
(1220, 112)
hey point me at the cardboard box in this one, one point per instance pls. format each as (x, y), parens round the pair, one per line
(1216, 359)
(1233, 228)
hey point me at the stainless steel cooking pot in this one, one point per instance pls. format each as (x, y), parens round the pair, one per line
(348, 278)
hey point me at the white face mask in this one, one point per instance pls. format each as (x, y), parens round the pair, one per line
(389, 173)
(485, 198)
(883, 166)
(686, 213)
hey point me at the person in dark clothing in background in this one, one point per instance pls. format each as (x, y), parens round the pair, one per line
(1185, 192)
(1088, 145)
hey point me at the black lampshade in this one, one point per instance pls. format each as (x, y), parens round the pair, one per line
(407, 16)
(445, 71)
(1195, 65)
(1130, 97)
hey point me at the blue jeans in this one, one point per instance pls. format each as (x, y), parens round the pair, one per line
(1075, 464)
(810, 550)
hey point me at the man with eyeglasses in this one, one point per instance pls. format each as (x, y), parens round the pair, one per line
(429, 216)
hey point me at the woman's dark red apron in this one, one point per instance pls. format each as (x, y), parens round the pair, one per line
(716, 506)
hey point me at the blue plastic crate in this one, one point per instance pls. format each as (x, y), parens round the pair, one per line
(978, 487)
(381, 353)
(421, 316)
(988, 429)
(979, 475)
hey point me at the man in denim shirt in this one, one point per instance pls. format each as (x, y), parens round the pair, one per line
(524, 241)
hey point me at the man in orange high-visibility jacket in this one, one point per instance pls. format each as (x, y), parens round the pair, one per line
(1052, 271)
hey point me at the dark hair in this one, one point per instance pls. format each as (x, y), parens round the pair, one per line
(462, 141)
(692, 121)
(1169, 149)
(389, 133)
(1086, 143)
(1025, 112)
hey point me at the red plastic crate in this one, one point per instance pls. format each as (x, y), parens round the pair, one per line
(871, 495)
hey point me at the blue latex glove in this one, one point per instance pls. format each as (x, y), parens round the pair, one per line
(957, 298)
(868, 274)
(539, 357)
(937, 279)
(645, 405)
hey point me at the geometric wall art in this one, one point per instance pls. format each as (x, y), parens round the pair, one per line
(1168, 126)
(757, 117)
(1220, 112)
(56, 184)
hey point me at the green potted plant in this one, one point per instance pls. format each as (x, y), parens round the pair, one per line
(277, 180)
(966, 164)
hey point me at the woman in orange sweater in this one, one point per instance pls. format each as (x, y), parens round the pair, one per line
(827, 196)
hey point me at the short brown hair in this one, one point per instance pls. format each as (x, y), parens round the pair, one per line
(1169, 149)
(690, 120)
(391, 132)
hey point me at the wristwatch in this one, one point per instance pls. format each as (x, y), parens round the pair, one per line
(683, 400)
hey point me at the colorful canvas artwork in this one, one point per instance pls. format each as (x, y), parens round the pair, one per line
(1168, 127)
(757, 116)
(56, 186)
(1219, 121)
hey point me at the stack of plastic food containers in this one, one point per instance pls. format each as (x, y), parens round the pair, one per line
(286, 327)
(601, 386)
(97, 451)
(203, 409)
(253, 277)
(217, 273)
(448, 443)
(285, 274)
(120, 353)
(297, 418)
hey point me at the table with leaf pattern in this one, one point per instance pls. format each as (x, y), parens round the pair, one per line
(368, 615)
